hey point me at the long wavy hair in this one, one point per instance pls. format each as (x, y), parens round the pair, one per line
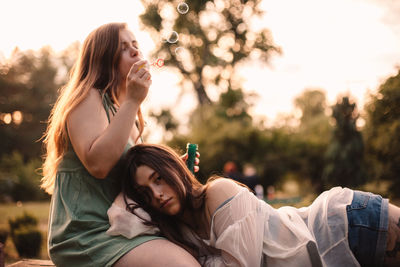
(166, 162)
(95, 67)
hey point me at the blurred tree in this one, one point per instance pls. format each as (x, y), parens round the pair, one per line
(310, 139)
(19, 180)
(345, 154)
(314, 123)
(210, 43)
(28, 85)
(382, 133)
(166, 119)
(66, 60)
(206, 44)
(29, 81)
(224, 132)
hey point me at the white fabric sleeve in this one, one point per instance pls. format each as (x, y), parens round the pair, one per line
(213, 261)
(123, 222)
(237, 230)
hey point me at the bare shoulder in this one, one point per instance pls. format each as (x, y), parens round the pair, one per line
(219, 191)
(86, 122)
(93, 98)
(92, 102)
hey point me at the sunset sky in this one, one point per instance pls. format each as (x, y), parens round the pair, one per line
(340, 46)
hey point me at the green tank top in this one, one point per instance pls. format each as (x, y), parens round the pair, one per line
(78, 213)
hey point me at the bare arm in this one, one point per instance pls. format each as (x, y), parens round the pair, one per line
(219, 191)
(237, 227)
(97, 143)
(100, 144)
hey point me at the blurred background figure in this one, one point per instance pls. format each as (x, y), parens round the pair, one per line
(251, 179)
(231, 171)
(270, 192)
(259, 191)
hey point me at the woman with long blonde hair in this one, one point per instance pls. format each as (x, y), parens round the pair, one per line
(95, 120)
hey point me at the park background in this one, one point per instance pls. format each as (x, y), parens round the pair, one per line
(307, 92)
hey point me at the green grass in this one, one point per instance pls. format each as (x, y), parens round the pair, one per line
(39, 209)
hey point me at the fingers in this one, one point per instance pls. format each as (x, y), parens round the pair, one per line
(138, 81)
(145, 65)
(146, 76)
(141, 64)
(184, 157)
(135, 66)
(138, 69)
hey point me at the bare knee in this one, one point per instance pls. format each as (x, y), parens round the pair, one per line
(393, 227)
(159, 252)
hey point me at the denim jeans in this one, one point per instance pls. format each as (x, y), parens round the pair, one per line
(368, 226)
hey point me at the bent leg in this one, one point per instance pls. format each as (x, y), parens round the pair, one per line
(394, 228)
(158, 252)
(392, 257)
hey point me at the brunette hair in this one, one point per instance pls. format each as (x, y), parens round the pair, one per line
(167, 163)
(96, 67)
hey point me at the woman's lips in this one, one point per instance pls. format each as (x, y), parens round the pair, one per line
(165, 203)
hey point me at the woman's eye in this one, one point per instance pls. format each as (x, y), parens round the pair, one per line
(158, 179)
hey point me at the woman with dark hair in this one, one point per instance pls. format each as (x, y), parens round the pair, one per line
(222, 224)
(96, 119)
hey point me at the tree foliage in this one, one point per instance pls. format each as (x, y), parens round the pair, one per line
(382, 133)
(225, 131)
(19, 179)
(311, 137)
(29, 87)
(29, 81)
(214, 37)
(345, 154)
(314, 123)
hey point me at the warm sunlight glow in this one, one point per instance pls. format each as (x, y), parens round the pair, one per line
(341, 46)
(17, 117)
(7, 118)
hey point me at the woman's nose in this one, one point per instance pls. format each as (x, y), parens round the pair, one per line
(157, 193)
(134, 51)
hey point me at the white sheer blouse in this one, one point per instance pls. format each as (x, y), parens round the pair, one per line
(249, 232)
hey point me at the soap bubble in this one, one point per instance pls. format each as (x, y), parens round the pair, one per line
(183, 8)
(173, 37)
(170, 37)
